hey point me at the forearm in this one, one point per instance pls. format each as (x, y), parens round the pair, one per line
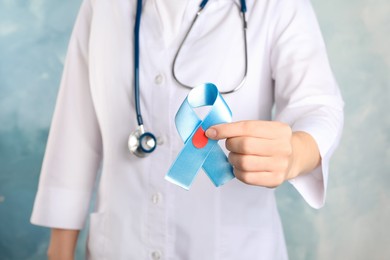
(62, 244)
(306, 155)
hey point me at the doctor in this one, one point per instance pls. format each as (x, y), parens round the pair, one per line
(139, 215)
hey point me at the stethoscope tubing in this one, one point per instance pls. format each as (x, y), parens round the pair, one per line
(136, 62)
(138, 137)
(244, 24)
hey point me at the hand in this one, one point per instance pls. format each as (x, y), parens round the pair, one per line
(263, 153)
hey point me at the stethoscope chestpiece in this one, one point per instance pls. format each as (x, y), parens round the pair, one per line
(142, 143)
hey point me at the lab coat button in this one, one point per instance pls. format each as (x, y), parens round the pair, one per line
(156, 198)
(159, 79)
(156, 255)
(160, 140)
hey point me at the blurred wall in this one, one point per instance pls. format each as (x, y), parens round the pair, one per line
(354, 224)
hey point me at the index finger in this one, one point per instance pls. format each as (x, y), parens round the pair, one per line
(254, 128)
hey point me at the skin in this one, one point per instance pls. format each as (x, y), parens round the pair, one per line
(267, 153)
(263, 153)
(62, 244)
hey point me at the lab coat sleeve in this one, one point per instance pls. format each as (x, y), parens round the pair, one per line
(307, 96)
(74, 148)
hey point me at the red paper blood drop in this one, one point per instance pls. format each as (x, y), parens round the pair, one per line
(199, 140)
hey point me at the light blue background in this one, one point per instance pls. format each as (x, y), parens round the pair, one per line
(354, 224)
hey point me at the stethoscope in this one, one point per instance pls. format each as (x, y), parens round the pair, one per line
(142, 143)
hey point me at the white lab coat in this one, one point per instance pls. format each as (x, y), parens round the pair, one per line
(138, 214)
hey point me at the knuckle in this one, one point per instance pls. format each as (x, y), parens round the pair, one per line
(289, 150)
(245, 125)
(279, 124)
(280, 164)
(246, 146)
(289, 133)
(237, 161)
(228, 144)
(241, 163)
(248, 179)
(285, 149)
(283, 167)
(231, 158)
(243, 176)
(278, 179)
(238, 174)
(284, 164)
(246, 163)
(285, 129)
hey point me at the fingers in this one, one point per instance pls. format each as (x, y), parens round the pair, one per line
(251, 163)
(260, 151)
(259, 170)
(257, 146)
(264, 179)
(263, 129)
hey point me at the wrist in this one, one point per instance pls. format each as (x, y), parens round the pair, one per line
(305, 154)
(62, 244)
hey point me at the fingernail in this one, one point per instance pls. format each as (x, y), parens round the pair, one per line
(211, 133)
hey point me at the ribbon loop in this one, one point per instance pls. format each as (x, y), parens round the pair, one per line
(198, 150)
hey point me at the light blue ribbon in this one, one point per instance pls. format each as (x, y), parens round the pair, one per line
(210, 156)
